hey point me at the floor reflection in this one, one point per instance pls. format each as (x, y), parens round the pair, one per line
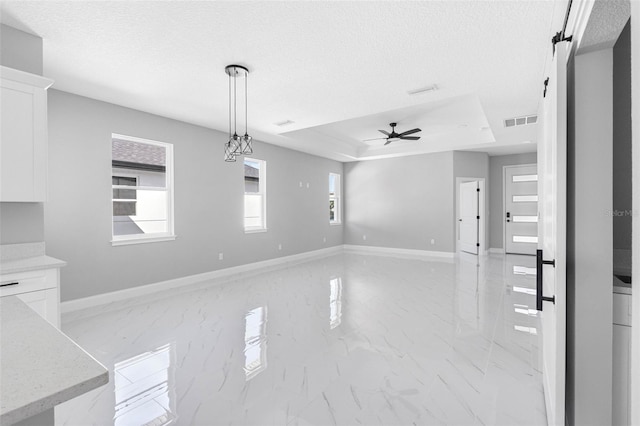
(335, 302)
(255, 342)
(523, 270)
(467, 306)
(403, 341)
(143, 388)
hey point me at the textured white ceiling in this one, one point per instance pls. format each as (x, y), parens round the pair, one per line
(606, 22)
(317, 63)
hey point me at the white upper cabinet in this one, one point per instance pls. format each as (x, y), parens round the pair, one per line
(23, 135)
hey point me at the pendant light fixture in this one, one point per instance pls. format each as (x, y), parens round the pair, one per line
(237, 145)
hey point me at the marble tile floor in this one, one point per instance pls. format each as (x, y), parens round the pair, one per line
(347, 339)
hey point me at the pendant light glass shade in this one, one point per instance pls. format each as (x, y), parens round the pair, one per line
(237, 145)
(247, 147)
(229, 154)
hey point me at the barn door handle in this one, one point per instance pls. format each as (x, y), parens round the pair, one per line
(539, 297)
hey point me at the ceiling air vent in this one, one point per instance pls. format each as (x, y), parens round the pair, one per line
(520, 121)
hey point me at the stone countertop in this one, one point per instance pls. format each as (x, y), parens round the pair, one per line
(30, 264)
(40, 367)
(26, 257)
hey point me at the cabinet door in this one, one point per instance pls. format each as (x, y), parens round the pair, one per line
(23, 142)
(621, 375)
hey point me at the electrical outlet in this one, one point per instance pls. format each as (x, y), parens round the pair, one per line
(433, 241)
(279, 246)
(220, 256)
(364, 237)
(324, 239)
(307, 184)
(300, 184)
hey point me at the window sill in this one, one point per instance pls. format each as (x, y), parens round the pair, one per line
(254, 230)
(142, 240)
(335, 223)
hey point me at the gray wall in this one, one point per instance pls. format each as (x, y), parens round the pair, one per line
(496, 177)
(406, 202)
(21, 222)
(622, 140)
(20, 50)
(471, 165)
(401, 202)
(208, 200)
(589, 239)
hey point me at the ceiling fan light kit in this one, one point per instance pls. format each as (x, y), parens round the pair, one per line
(237, 145)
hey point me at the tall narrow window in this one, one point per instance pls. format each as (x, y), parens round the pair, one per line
(334, 198)
(141, 183)
(255, 187)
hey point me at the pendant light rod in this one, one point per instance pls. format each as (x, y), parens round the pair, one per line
(246, 105)
(237, 145)
(235, 108)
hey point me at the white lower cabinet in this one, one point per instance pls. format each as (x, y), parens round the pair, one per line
(621, 359)
(38, 289)
(621, 374)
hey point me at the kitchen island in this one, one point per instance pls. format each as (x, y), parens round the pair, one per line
(40, 367)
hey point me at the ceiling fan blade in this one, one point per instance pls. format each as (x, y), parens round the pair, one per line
(388, 142)
(410, 138)
(374, 139)
(410, 132)
(384, 132)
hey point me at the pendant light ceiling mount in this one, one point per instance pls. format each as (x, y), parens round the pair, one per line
(235, 70)
(237, 145)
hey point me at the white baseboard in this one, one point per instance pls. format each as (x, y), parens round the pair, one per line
(496, 250)
(222, 275)
(115, 296)
(397, 251)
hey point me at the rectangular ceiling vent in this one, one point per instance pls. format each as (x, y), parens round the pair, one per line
(431, 88)
(521, 121)
(284, 123)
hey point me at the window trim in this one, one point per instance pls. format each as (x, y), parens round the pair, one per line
(120, 240)
(338, 199)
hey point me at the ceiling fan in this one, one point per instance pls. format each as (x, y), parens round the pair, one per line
(393, 136)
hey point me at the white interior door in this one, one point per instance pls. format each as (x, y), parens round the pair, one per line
(521, 209)
(469, 217)
(552, 190)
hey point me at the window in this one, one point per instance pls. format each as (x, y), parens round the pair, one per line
(141, 185)
(334, 198)
(255, 186)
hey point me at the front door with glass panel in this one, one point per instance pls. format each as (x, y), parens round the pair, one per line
(521, 209)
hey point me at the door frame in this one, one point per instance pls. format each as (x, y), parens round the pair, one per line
(504, 200)
(635, 224)
(482, 208)
(581, 11)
